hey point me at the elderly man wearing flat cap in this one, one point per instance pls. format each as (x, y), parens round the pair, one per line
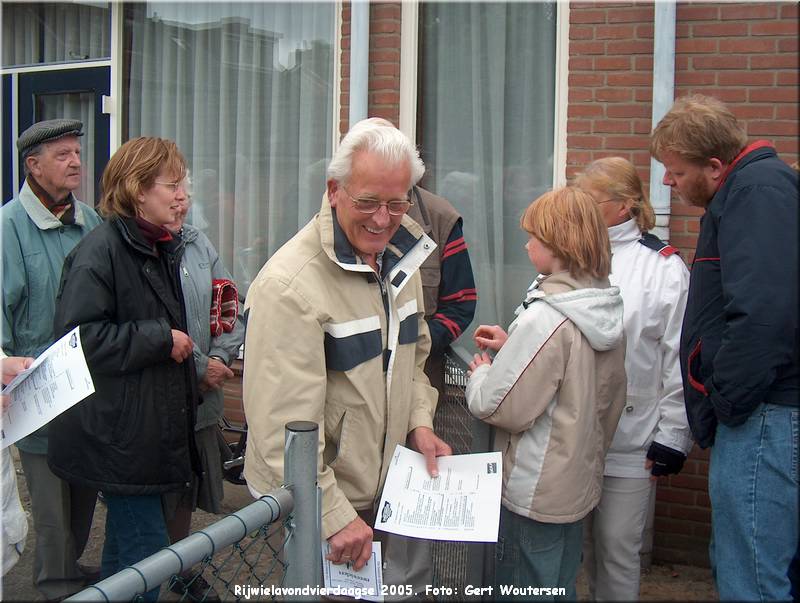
(40, 227)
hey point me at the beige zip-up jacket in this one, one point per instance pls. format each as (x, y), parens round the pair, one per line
(329, 342)
(555, 391)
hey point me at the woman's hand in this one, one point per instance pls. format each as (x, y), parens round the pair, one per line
(491, 337)
(478, 360)
(181, 346)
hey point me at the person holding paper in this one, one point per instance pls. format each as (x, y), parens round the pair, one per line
(555, 392)
(336, 334)
(39, 228)
(133, 438)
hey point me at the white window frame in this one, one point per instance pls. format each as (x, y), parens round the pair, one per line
(409, 61)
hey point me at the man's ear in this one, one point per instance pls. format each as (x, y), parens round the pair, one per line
(716, 167)
(333, 186)
(32, 163)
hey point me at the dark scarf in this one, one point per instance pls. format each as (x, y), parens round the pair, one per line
(152, 234)
(64, 210)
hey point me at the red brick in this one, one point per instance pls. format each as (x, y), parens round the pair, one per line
(673, 526)
(690, 482)
(629, 79)
(682, 30)
(789, 10)
(787, 78)
(642, 126)
(385, 98)
(774, 28)
(631, 15)
(643, 63)
(587, 16)
(674, 496)
(681, 62)
(578, 95)
(581, 33)
(688, 12)
(785, 112)
(384, 55)
(604, 126)
(613, 95)
(612, 63)
(385, 41)
(613, 32)
(379, 27)
(682, 209)
(385, 11)
(693, 226)
(583, 48)
(786, 94)
(695, 45)
(385, 69)
(755, 45)
(626, 142)
(703, 500)
(578, 157)
(718, 30)
(628, 111)
(584, 142)
(746, 78)
(748, 12)
(787, 45)
(683, 241)
(730, 61)
(696, 452)
(629, 47)
(589, 110)
(775, 61)
(678, 226)
(702, 530)
(693, 513)
(695, 78)
(586, 79)
(581, 64)
(787, 146)
(644, 32)
(579, 126)
(772, 128)
(643, 95)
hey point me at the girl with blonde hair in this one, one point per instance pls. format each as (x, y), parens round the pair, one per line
(652, 437)
(554, 392)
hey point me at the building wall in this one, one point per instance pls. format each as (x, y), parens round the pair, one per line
(746, 54)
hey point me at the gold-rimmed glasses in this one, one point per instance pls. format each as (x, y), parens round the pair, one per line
(367, 205)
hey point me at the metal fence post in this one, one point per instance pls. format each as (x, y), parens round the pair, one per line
(303, 549)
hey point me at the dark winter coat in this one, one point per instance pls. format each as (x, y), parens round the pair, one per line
(133, 435)
(739, 343)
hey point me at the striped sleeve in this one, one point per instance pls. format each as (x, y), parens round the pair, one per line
(457, 294)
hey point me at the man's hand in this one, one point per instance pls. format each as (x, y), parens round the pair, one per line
(491, 337)
(353, 543)
(181, 346)
(424, 441)
(12, 366)
(216, 374)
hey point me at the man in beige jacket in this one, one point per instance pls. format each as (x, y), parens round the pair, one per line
(336, 335)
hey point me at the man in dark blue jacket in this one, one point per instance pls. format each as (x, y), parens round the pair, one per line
(739, 344)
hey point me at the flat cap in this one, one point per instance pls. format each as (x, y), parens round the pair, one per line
(47, 131)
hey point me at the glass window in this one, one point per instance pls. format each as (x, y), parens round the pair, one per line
(485, 126)
(35, 33)
(246, 90)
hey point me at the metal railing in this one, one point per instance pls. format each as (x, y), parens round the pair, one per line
(266, 550)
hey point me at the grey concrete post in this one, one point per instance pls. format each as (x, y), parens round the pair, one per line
(303, 549)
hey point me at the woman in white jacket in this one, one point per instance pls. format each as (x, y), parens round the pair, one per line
(653, 436)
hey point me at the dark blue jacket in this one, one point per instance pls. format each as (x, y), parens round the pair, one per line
(739, 344)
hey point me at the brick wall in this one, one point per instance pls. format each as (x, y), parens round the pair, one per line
(384, 63)
(746, 55)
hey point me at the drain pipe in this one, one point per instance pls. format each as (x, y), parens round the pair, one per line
(663, 97)
(359, 60)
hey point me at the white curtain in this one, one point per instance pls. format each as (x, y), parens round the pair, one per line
(486, 117)
(55, 32)
(246, 90)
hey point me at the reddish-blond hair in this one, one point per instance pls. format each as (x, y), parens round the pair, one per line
(133, 169)
(569, 223)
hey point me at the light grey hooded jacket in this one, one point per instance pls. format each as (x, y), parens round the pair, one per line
(555, 391)
(200, 266)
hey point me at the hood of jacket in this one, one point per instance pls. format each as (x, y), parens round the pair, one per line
(593, 305)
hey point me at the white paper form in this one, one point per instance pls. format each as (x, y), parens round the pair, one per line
(57, 380)
(366, 583)
(462, 503)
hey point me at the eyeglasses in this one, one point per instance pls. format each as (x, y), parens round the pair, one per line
(173, 186)
(395, 207)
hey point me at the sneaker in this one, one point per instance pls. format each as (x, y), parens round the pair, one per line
(195, 589)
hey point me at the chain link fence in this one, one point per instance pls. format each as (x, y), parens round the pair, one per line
(264, 551)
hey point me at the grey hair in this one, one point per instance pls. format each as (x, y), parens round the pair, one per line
(31, 152)
(379, 136)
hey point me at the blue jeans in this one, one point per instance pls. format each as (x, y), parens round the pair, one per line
(753, 485)
(135, 529)
(530, 553)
